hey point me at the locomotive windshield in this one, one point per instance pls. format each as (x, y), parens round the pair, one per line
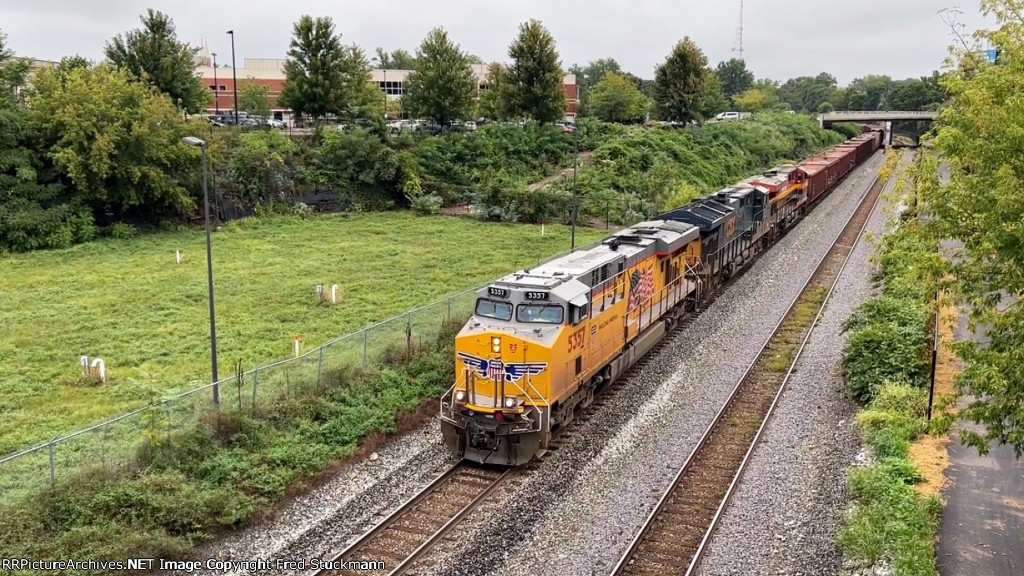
(539, 314)
(492, 309)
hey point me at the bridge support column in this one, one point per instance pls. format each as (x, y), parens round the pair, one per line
(888, 134)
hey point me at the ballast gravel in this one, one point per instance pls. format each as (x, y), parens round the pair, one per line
(786, 511)
(322, 522)
(576, 511)
(579, 511)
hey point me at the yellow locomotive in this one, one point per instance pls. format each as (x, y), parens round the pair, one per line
(541, 342)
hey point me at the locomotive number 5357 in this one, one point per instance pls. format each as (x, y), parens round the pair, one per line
(576, 340)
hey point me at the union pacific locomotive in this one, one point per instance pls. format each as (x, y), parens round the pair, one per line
(543, 341)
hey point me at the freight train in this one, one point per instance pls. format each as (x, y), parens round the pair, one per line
(543, 341)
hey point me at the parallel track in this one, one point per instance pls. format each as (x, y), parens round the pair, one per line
(418, 525)
(673, 538)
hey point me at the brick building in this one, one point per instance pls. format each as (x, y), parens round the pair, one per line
(269, 72)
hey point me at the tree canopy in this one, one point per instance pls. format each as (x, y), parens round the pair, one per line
(323, 77)
(491, 104)
(443, 85)
(534, 82)
(806, 93)
(255, 99)
(118, 142)
(980, 208)
(153, 53)
(681, 83)
(616, 99)
(735, 77)
(396, 60)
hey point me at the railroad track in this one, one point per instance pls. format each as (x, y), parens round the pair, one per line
(674, 536)
(418, 525)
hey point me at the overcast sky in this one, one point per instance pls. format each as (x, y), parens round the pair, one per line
(782, 38)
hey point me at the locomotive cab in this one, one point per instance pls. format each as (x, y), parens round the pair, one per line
(504, 367)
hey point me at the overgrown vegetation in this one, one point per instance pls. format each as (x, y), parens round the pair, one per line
(184, 487)
(637, 173)
(886, 362)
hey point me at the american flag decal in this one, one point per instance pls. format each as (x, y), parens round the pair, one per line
(641, 287)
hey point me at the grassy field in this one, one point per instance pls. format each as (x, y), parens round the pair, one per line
(128, 302)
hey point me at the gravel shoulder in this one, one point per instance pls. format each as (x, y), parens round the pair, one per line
(785, 513)
(576, 513)
(580, 511)
(322, 522)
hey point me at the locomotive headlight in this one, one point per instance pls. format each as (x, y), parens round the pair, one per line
(496, 345)
(510, 402)
(460, 396)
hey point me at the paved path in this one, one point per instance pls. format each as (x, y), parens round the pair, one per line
(982, 530)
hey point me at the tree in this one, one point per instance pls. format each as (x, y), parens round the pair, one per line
(980, 209)
(118, 141)
(397, 60)
(534, 82)
(912, 94)
(443, 85)
(869, 92)
(154, 54)
(616, 99)
(681, 82)
(756, 100)
(322, 76)
(735, 77)
(35, 210)
(806, 93)
(491, 104)
(255, 99)
(587, 77)
(714, 100)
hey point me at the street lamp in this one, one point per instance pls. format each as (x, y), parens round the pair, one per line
(193, 141)
(216, 89)
(575, 167)
(234, 74)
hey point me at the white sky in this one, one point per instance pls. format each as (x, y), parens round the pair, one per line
(782, 39)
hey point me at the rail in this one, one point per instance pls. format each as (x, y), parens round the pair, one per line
(473, 485)
(632, 554)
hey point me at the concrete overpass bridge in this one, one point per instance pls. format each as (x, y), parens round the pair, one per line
(877, 117)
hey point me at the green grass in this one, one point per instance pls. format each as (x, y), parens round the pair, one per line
(129, 303)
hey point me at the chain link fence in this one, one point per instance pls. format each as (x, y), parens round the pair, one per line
(115, 442)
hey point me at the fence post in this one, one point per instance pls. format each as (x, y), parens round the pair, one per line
(364, 348)
(53, 464)
(320, 369)
(255, 379)
(408, 333)
(449, 309)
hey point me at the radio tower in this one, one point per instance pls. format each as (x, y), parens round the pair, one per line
(739, 34)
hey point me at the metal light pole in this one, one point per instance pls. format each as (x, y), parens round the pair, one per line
(216, 88)
(193, 141)
(234, 74)
(575, 168)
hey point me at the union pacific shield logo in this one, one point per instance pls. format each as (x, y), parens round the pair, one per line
(495, 369)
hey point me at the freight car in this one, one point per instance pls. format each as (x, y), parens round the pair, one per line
(543, 341)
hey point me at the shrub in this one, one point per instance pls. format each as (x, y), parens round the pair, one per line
(428, 204)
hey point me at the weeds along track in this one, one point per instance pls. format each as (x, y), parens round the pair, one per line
(673, 537)
(419, 524)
